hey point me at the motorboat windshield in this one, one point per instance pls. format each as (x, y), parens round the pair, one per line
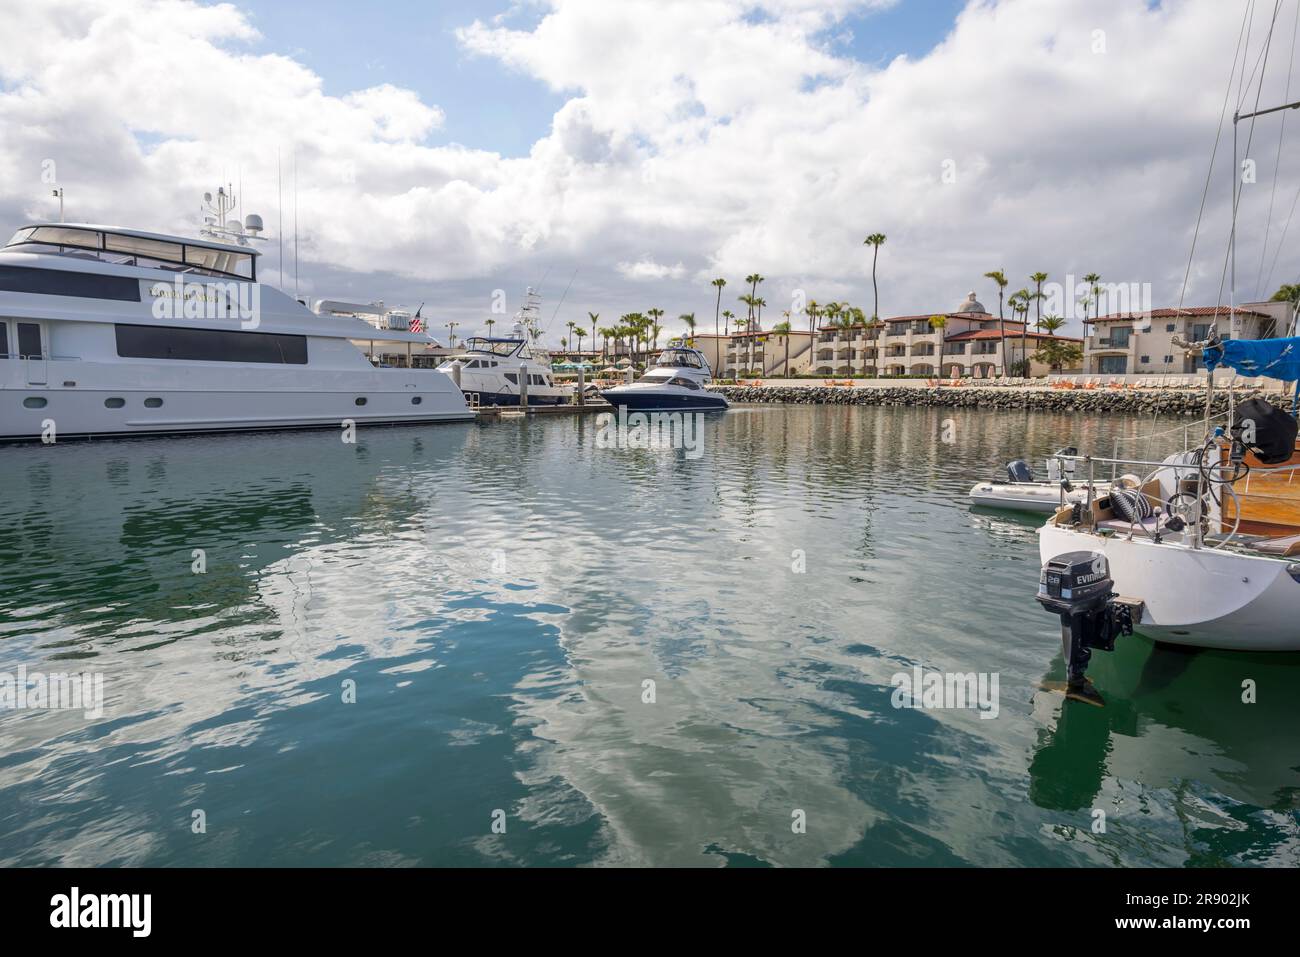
(681, 359)
(496, 347)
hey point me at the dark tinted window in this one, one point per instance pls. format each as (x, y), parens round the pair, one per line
(4, 340)
(60, 282)
(209, 345)
(29, 339)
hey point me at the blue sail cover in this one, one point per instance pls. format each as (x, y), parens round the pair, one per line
(1274, 358)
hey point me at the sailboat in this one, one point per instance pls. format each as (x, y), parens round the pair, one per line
(1205, 550)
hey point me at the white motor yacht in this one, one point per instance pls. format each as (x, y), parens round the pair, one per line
(495, 371)
(106, 331)
(674, 384)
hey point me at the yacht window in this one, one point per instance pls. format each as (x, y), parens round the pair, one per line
(62, 236)
(684, 383)
(4, 340)
(220, 260)
(29, 340)
(657, 375)
(61, 282)
(209, 345)
(153, 402)
(114, 402)
(158, 252)
(512, 377)
(35, 402)
(150, 248)
(502, 348)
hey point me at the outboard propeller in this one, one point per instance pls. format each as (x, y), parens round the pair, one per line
(1077, 586)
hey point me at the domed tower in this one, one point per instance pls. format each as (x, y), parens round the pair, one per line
(971, 304)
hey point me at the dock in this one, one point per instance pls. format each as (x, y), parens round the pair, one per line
(515, 412)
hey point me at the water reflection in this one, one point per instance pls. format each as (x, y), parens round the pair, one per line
(501, 594)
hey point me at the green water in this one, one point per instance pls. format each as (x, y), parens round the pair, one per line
(499, 594)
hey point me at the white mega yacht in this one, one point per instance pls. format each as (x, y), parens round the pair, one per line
(491, 369)
(114, 332)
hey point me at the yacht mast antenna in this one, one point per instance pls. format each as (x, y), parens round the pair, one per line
(216, 225)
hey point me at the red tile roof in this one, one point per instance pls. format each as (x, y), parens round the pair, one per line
(1012, 335)
(1189, 312)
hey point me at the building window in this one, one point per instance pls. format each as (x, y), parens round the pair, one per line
(1145, 359)
(1170, 327)
(1169, 360)
(1119, 337)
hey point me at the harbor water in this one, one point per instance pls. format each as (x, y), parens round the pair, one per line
(508, 643)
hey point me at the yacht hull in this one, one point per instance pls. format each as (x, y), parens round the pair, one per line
(506, 400)
(1204, 598)
(664, 400)
(30, 412)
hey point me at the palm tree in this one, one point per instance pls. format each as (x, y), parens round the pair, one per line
(570, 325)
(689, 319)
(812, 316)
(753, 279)
(938, 324)
(1019, 301)
(1092, 279)
(655, 315)
(593, 316)
(1287, 292)
(784, 329)
(1051, 324)
(874, 324)
(748, 300)
(875, 241)
(490, 324)
(727, 316)
(717, 284)
(759, 303)
(999, 277)
(1038, 279)
(579, 332)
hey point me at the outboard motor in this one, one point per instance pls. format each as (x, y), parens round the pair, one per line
(1077, 586)
(1019, 471)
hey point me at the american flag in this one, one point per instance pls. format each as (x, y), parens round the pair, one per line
(417, 324)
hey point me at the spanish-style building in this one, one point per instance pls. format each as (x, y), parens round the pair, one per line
(1131, 343)
(970, 343)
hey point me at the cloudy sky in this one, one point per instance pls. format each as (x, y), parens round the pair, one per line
(632, 150)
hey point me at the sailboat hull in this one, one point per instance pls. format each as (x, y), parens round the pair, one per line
(1204, 598)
